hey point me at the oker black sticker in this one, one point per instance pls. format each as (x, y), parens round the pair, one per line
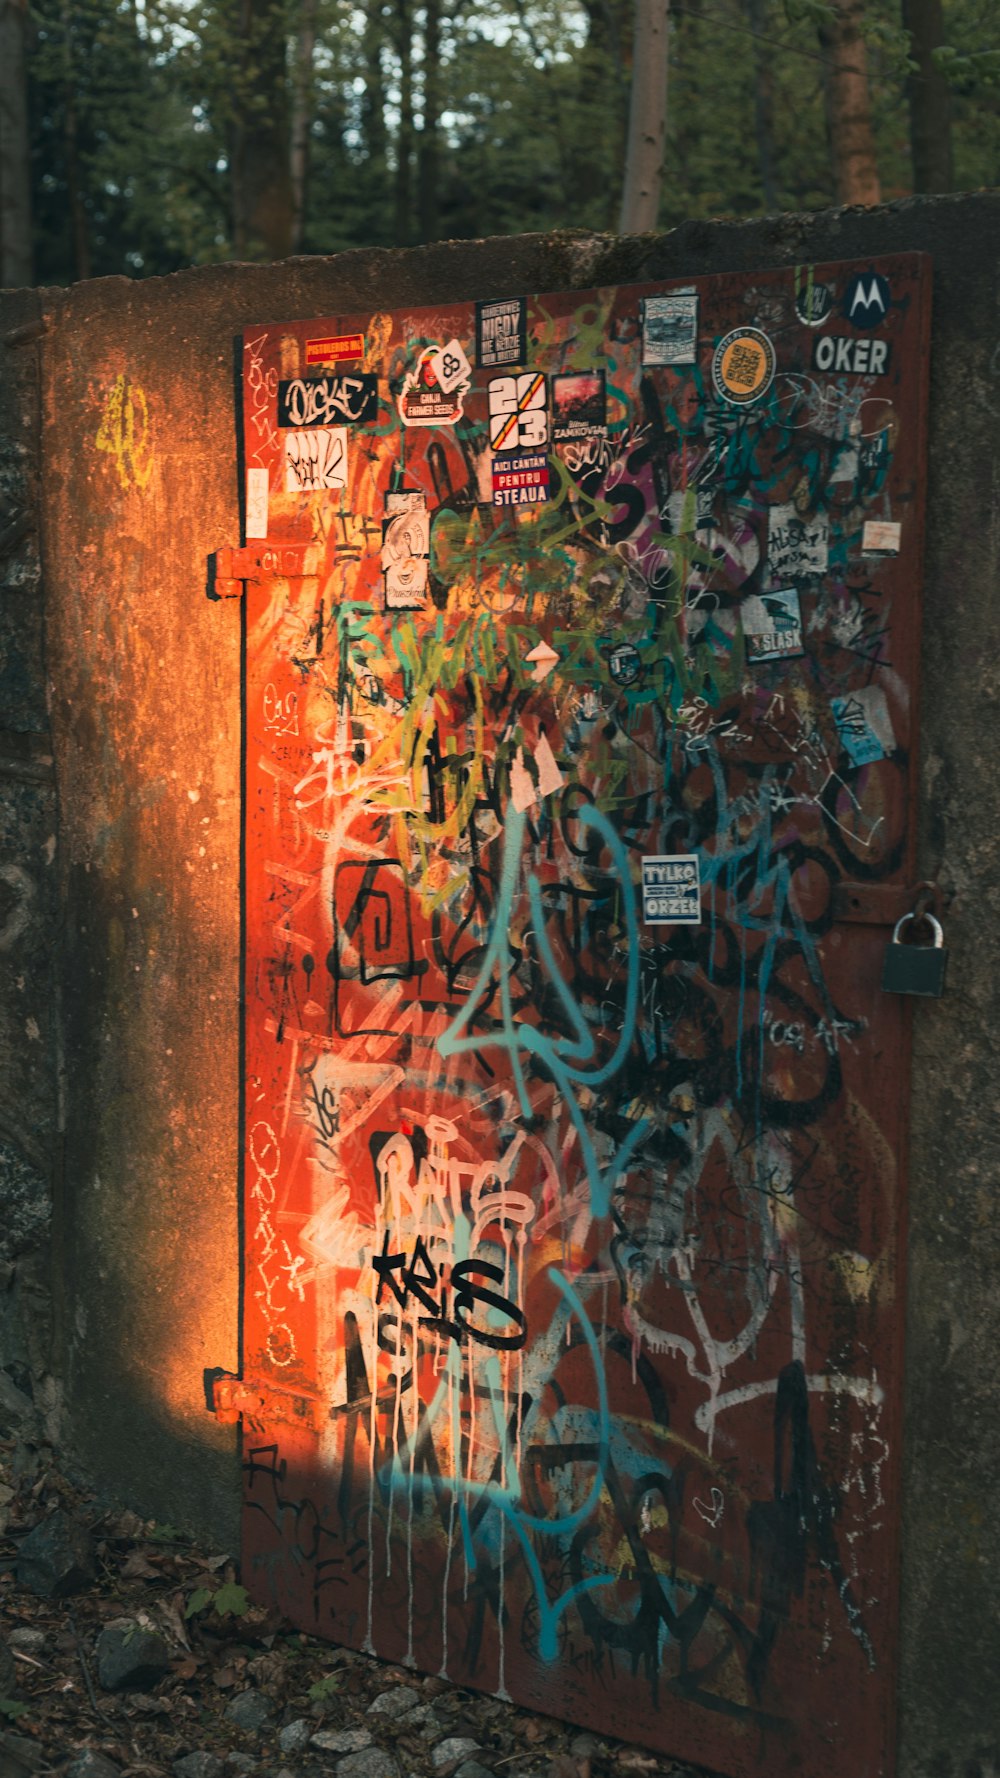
(342, 398)
(814, 303)
(866, 299)
(743, 366)
(579, 405)
(856, 357)
(671, 890)
(501, 332)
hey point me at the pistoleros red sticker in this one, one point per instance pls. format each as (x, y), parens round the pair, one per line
(521, 480)
(743, 366)
(422, 401)
(335, 347)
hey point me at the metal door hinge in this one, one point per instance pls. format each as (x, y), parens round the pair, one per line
(257, 1399)
(229, 570)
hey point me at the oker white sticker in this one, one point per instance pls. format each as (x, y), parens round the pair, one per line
(880, 537)
(451, 366)
(257, 486)
(671, 890)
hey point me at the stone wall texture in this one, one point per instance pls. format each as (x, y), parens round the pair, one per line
(119, 871)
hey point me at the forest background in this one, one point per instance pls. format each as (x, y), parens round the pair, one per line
(139, 136)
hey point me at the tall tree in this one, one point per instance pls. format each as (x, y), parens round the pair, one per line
(929, 97)
(302, 113)
(402, 42)
(260, 131)
(848, 105)
(428, 155)
(763, 101)
(647, 119)
(16, 257)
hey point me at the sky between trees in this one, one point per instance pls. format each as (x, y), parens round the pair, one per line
(139, 136)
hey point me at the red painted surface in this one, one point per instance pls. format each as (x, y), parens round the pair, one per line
(573, 1297)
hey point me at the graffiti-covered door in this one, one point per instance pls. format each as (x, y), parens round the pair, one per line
(581, 644)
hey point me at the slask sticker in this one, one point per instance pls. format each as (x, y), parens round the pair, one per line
(743, 366)
(859, 357)
(671, 890)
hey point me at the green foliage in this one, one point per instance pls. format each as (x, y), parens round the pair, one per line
(165, 1534)
(325, 1687)
(11, 1709)
(532, 107)
(228, 1600)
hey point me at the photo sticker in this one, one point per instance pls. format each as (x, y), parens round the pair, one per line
(315, 460)
(501, 332)
(743, 365)
(772, 625)
(880, 537)
(671, 890)
(670, 328)
(579, 405)
(519, 417)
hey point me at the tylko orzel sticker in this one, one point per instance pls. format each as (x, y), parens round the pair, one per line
(671, 890)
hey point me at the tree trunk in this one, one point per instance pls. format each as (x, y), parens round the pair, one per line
(77, 211)
(404, 140)
(260, 161)
(848, 106)
(647, 122)
(763, 104)
(929, 98)
(428, 171)
(16, 268)
(302, 112)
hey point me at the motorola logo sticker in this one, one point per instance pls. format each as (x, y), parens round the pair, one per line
(867, 299)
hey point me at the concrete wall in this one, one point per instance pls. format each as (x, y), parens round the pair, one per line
(139, 478)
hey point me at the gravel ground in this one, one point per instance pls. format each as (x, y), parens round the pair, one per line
(126, 1652)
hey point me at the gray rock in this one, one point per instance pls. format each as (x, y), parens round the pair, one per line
(249, 1711)
(131, 1660)
(31, 1641)
(470, 1768)
(90, 1764)
(342, 1740)
(242, 1762)
(57, 1558)
(399, 1700)
(454, 1748)
(585, 1747)
(425, 1718)
(295, 1735)
(373, 1762)
(200, 1764)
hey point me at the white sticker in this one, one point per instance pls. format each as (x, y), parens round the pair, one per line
(671, 890)
(522, 788)
(797, 544)
(315, 460)
(450, 366)
(406, 548)
(880, 537)
(258, 481)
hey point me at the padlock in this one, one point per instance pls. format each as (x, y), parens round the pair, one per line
(915, 969)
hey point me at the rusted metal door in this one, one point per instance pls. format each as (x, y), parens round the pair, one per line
(581, 647)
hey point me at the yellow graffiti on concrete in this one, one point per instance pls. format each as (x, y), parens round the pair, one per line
(124, 433)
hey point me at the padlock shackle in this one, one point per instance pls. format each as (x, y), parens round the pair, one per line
(930, 919)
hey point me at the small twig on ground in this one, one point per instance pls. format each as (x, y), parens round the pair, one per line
(81, 1657)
